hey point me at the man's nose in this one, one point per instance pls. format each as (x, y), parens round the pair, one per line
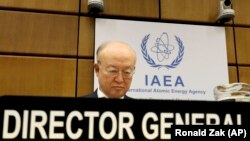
(119, 77)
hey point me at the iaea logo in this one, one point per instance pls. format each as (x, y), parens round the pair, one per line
(163, 50)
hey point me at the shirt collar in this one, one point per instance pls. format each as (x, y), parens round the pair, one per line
(100, 94)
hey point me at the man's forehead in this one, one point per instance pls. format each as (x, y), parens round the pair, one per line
(115, 53)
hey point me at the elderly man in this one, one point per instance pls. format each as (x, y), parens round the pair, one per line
(114, 68)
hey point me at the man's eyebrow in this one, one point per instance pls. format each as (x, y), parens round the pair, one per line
(125, 69)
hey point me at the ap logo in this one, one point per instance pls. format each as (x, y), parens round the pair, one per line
(162, 51)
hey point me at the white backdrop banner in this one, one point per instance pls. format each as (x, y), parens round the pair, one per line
(174, 61)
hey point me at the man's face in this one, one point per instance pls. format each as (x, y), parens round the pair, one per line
(114, 72)
(114, 80)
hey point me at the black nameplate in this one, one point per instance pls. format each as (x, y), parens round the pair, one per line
(54, 118)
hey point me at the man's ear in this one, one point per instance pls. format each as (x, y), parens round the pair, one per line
(96, 68)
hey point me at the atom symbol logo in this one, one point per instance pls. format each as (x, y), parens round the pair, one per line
(162, 47)
(163, 50)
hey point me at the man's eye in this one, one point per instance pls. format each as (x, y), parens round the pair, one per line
(113, 71)
(127, 72)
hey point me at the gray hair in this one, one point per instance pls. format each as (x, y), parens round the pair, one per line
(103, 45)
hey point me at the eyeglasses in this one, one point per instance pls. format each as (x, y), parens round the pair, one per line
(114, 72)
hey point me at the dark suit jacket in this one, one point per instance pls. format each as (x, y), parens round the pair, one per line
(94, 95)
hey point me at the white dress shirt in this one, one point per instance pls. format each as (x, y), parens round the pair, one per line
(100, 94)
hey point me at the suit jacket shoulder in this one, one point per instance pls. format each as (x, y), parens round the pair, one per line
(92, 95)
(127, 97)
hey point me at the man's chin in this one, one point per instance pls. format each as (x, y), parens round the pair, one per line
(118, 94)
